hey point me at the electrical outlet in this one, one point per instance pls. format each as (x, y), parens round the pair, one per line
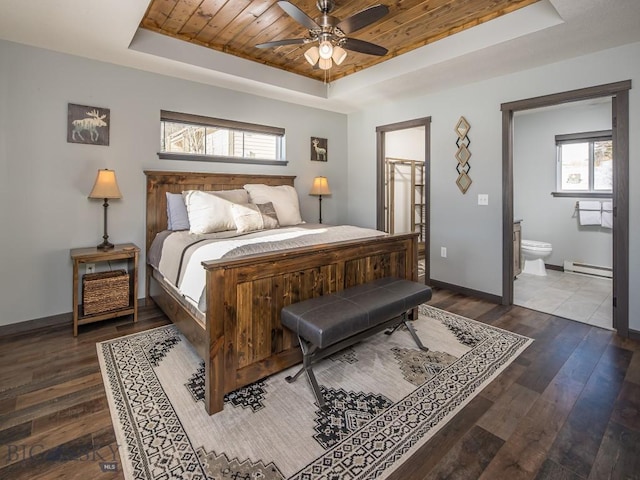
(443, 252)
(483, 199)
(90, 268)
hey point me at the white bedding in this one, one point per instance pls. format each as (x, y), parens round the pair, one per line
(183, 253)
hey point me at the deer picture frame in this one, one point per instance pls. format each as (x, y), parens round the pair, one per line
(88, 125)
(319, 149)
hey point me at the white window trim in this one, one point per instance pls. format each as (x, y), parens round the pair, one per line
(580, 138)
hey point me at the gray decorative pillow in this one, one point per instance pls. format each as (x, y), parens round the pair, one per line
(249, 217)
(267, 209)
(177, 216)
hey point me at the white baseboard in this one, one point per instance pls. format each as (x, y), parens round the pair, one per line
(588, 269)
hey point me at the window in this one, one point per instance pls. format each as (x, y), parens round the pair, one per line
(193, 137)
(585, 163)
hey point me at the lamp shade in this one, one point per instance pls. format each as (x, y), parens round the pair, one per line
(106, 185)
(339, 54)
(312, 55)
(320, 186)
(325, 64)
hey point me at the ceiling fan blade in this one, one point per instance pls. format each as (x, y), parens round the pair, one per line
(298, 15)
(286, 41)
(363, 18)
(364, 47)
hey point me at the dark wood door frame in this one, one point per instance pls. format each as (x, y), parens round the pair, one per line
(619, 93)
(380, 189)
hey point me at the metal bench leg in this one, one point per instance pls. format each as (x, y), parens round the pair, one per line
(316, 389)
(307, 359)
(404, 320)
(413, 333)
(390, 331)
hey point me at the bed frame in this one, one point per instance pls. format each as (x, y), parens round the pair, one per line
(242, 339)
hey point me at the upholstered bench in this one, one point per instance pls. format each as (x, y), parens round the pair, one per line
(327, 324)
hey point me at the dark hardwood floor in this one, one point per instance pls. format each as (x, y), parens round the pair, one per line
(567, 408)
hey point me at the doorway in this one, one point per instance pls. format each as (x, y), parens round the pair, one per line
(565, 150)
(391, 153)
(619, 94)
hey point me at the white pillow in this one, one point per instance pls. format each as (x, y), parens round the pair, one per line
(250, 217)
(239, 195)
(208, 212)
(283, 197)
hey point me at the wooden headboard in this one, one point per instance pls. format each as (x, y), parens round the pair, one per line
(158, 183)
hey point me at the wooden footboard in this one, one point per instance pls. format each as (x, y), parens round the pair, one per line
(245, 296)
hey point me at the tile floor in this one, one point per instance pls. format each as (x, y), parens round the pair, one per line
(584, 298)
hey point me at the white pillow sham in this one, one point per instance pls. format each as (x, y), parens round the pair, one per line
(238, 195)
(284, 199)
(250, 217)
(210, 212)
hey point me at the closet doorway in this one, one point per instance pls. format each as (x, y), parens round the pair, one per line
(619, 94)
(402, 193)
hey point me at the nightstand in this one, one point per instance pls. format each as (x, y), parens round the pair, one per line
(83, 256)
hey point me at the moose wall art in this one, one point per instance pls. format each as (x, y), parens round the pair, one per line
(89, 125)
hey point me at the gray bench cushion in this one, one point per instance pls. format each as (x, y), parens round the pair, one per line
(326, 320)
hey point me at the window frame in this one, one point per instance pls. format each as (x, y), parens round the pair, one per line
(203, 121)
(582, 137)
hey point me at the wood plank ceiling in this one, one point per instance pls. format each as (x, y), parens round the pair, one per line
(236, 26)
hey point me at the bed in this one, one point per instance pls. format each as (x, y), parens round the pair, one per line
(239, 336)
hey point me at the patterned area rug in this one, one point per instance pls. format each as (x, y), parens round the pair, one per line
(385, 397)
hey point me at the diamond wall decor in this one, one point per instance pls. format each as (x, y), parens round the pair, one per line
(463, 155)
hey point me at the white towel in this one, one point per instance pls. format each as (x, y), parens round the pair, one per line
(589, 212)
(589, 205)
(607, 214)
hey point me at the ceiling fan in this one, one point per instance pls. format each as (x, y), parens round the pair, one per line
(331, 33)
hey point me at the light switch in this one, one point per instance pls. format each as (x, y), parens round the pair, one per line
(483, 199)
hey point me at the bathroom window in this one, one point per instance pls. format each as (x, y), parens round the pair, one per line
(584, 164)
(193, 137)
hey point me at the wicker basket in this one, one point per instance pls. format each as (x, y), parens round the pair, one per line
(105, 291)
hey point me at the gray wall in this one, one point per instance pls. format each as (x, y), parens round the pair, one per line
(44, 181)
(472, 233)
(554, 219)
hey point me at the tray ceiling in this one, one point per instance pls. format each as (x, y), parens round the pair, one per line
(236, 26)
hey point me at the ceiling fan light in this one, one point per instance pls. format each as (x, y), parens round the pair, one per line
(312, 55)
(325, 63)
(326, 49)
(339, 54)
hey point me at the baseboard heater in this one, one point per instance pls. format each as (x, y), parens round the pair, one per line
(585, 268)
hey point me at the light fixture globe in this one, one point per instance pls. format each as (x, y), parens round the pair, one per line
(325, 49)
(312, 55)
(339, 54)
(325, 63)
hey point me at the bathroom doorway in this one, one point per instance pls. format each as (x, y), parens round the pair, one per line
(402, 192)
(619, 95)
(567, 251)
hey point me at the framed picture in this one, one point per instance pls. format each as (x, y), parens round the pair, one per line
(318, 149)
(89, 125)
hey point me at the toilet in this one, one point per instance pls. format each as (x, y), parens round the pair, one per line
(533, 252)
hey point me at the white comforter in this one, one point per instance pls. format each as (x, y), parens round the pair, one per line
(183, 253)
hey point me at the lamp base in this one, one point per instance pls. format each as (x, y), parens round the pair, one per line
(105, 246)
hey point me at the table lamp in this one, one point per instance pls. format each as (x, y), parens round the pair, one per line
(320, 187)
(105, 187)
